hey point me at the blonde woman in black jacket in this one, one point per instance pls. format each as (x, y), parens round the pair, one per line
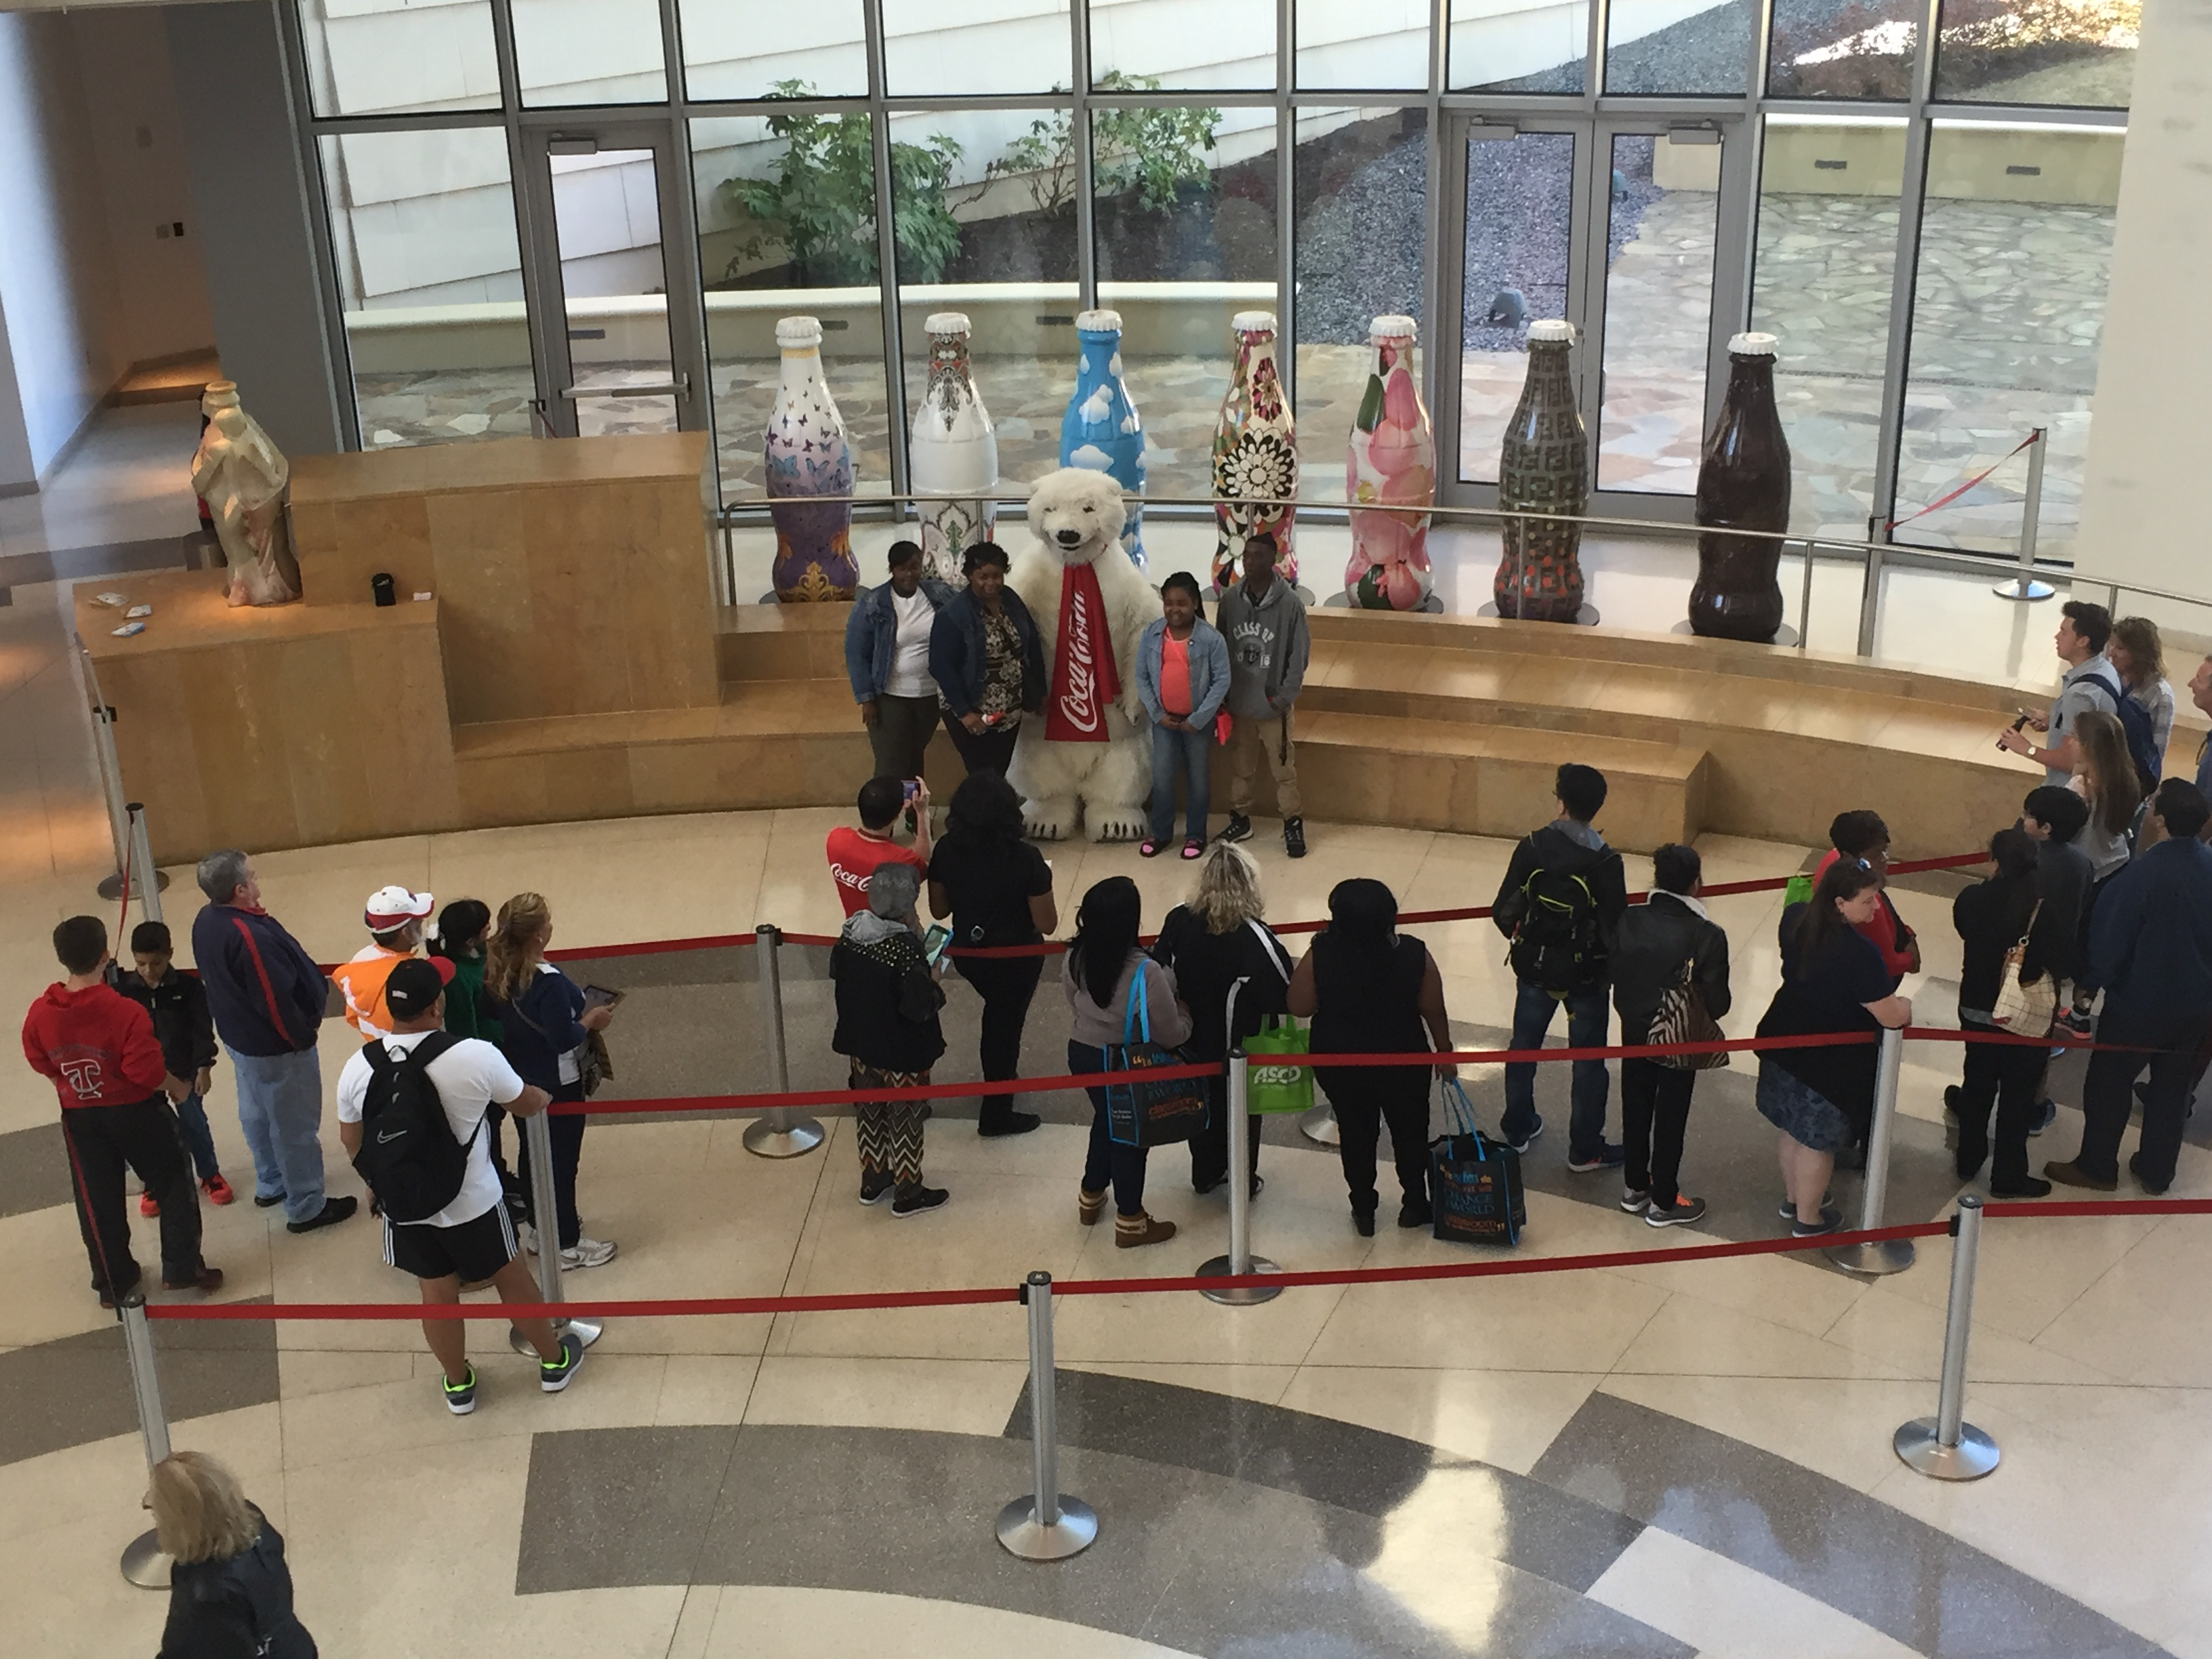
(230, 1593)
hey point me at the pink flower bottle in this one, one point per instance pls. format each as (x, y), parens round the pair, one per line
(1392, 462)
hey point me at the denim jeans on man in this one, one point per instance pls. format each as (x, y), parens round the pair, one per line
(1588, 1016)
(1189, 756)
(280, 1112)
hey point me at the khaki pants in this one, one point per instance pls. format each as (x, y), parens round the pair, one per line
(1247, 741)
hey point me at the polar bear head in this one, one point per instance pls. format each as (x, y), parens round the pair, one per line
(1077, 513)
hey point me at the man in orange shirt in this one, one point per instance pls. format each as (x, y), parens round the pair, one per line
(394, 919)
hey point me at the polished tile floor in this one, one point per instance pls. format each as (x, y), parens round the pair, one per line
(1658, 1460)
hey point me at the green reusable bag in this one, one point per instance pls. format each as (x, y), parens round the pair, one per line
(1799, 891)
(1277, 1088)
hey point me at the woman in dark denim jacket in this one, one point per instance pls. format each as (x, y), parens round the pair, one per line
(988, 661)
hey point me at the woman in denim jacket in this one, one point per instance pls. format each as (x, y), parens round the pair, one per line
(887, 660)
(1183, 677)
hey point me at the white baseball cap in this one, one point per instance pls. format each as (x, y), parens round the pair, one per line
(394, 907)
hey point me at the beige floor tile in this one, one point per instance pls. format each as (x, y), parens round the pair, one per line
(1725, 1610)
(1689, 1337)
(760, 1622)
(1265, 1384)
(706, 1387)
(1506, 1419)
(1906, 1334)
(2150, 1318)
(946, 1397)
(1838, 1427)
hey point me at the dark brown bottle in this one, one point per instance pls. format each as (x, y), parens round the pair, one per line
(1544, 467)
(1743, 483)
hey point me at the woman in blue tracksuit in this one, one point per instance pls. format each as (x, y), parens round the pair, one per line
(1183, 677)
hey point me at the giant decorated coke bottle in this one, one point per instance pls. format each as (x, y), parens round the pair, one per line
(808, 454)
(1100, 429)
(1743, 483)
(1544, 467)
(1255, 457)
(953, 451)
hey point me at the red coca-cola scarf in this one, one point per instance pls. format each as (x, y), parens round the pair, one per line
(1084, 682)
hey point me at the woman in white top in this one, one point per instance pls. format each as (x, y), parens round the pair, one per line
(887, 660)
(2139, 659)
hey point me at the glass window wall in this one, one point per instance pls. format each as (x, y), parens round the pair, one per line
(368, 58)
(2080, 52)
(1658, 313)
(589, 51)
(1678, 47)
(1519, 238)
(1186, 46)
(1497, 45)
(756, 49)
(949, 48)
(1861, 50)
(1362, 45)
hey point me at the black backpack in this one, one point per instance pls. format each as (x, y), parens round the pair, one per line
(2142, 732)
(1556, 944)
(408, 1154)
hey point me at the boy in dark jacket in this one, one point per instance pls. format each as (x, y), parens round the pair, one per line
(1657, 940)
(98, 1047)
(177, 1005)
(1561, 900)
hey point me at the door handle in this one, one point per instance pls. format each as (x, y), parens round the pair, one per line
(678, 387)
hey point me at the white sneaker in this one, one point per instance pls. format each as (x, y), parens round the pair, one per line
(586, 1252)
(526, 1237)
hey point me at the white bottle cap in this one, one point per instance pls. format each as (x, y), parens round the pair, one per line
(1552, 331)
(1099, 322)
(1393, 328)
(1254, 322)
(1751, 346)
(797, 331)
(945, 322)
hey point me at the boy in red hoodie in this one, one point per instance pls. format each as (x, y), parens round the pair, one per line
(99, 1047)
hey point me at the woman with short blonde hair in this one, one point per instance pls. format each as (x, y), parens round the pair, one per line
(230, 1593)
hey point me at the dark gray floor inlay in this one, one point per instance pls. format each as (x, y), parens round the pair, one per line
(1540, 1529)
(1190, 1560)
(1924, 1588)
(77, 1390)
(34, 1172)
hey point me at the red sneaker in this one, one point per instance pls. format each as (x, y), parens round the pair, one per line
(217, 1190)
(147, 1206)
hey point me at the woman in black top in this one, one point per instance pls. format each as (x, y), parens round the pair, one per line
(887, 1002)
(1834, 980)
(230, 1593)
(988, 662)
(1991, 917)
(1373, 990)
(1220, 949)
(997, 888)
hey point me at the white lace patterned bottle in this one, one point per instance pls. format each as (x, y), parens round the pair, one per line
(955, 451)
(1256, 455)
(808, 454)
(1391, 462)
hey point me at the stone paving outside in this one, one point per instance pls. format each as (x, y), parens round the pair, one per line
(2009, 306)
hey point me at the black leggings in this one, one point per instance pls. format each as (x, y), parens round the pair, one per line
(567, 1132)
(1007, 984)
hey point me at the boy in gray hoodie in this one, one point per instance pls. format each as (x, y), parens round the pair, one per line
(1264, 621)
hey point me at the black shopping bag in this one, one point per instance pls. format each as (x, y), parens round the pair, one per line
(1474, 1182)
(1144, 1111)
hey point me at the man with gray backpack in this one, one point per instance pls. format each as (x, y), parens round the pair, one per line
(412, 1116)
(1559, 904)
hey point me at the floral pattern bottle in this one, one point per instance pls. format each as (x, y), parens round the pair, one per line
(1256, 455)
(1743, 482)
(1392, 463)
(1544, 467)
(954, 451)
(808, 454)
(1101, 429)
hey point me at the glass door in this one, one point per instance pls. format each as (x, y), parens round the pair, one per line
(619, 344)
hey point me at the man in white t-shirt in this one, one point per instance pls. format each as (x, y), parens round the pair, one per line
(472, 1239)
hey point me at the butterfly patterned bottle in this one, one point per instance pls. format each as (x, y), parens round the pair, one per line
(808, 454)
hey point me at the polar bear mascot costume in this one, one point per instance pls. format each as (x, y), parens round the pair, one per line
(1088, 756)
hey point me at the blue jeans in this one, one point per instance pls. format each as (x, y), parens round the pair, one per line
(192, 1113)
(280, 1113)
(1587, 1020)
(1187, 755)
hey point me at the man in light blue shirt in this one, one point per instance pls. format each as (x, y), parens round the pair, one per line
(2091, 682)
(2200, 693)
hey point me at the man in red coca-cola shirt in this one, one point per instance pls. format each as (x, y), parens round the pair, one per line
(98, 1048)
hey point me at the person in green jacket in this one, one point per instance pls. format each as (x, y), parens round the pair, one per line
(463, 927)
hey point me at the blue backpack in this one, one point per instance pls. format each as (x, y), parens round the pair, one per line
(2142, 736)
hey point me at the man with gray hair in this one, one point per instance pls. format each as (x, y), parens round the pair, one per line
(267, 997)
(887, 1001)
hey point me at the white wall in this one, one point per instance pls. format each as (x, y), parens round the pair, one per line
(2142, 505)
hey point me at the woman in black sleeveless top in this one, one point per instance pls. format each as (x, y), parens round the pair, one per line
(1372, 990)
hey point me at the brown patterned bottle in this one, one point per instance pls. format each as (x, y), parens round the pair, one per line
(1544, 467)
(1743, 482)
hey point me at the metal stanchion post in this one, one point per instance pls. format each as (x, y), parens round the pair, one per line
(1048, 1526)
(779, 1134)
(1889, 1256)
(2024, 585)
(110, 769)
(144, 1562)
(1870, 601)
(146, 880)
(1319, 1126)
(1805, 602)
(1240, 1261)
(1946, 1445)
(537, 1147)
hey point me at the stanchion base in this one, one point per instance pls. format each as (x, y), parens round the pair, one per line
(1075, 1531)
(145, 1564)
(1238, 1296)
(589, 1330)
(1319, 1126)
(764, 1139)
(1888, 1255)
(2018, 589)
(111, 889)
(1974, 1456)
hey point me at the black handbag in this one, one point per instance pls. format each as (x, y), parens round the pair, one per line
(1150, 1112)
(1475, 1196)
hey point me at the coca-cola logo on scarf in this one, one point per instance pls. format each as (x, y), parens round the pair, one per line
(1083, 680)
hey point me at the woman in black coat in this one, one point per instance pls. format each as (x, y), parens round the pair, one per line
(887, 1026)
(1991, 917)
(230, 1593)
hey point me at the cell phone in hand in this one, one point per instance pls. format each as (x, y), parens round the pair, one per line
(598, 996)
(934, 941)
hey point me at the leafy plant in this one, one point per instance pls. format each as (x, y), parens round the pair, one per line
(820, 203)
(1153, 153)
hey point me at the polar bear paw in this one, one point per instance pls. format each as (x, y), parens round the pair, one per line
(1048, 820)
(1118, 823)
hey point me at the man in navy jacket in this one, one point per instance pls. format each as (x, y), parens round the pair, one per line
(2150, 952)
(267, 996)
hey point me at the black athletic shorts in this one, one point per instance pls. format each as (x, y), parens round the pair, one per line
(473, 1250)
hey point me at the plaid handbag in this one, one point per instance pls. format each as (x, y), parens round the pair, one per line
(1144, 1112)
(1474, 1182)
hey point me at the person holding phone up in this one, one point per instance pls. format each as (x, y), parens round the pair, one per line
(885, 973)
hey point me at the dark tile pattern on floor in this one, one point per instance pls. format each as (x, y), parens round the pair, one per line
(76, 1391)
(34, 1172)
(1935, 1593)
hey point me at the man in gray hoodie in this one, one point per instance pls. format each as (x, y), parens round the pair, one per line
(1264, 621)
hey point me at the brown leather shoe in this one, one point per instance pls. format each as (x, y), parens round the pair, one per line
(207, 1283)
(1089, 1206)
(1133, 1231)
(2070, 1173)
